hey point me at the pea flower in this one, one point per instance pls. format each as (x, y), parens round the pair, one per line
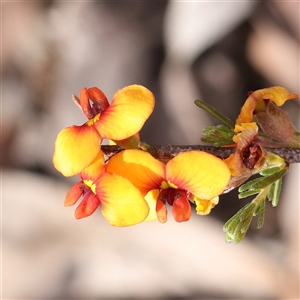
(76, 147)
(193, 176)
(122, 204)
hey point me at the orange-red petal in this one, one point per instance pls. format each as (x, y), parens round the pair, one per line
(201, 173)
(87, 206)
(74, 194)
(129, 110)
(122, 203)
(99, 99)
(75, 148)
(142, 169)
(181, 209)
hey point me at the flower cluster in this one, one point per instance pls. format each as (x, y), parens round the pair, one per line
(135, 184)
(132, 186)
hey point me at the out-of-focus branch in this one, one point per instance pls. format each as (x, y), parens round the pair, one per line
(166, 152)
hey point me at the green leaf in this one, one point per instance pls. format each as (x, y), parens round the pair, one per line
(248, 185)
(212, 111)
(265, 181)
(274, 192)
(248, 193)
(237, 226)
(218, 135)
(260, 211)
(269, 171)
(262, 182)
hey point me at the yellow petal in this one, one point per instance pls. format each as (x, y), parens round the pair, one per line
(203, 207)
(142, 169)
(151, 199)
(246, 133)
(130, 108)
(122, 203)
(201, 173)
(277, 94)
(95, 169)
(75, 148)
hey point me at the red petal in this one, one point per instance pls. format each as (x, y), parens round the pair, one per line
(87, 206)
(85, 103)
(181, 207)
(74, 194)
(99, 99)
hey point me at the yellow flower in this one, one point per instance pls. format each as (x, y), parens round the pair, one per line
(77, 146)
(191, 173)
(122, 204)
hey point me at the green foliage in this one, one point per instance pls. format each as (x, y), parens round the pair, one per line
(274, 126)
(217, 135)
(266, 187)
(236, 227)
(213, 112)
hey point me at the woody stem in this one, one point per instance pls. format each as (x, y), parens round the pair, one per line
(166, 152)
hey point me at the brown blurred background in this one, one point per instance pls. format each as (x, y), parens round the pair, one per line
(182, 51)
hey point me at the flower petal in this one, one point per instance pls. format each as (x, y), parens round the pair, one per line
(203, 207)
(161, 210)
(277, 94)
(201, 173)
(99, 99)
(246, 133)
(142, 169)
(151, 199)
(122, 203)
(75, 148)
(276, 123)
(74, 194)
(181, 209)
(95, 169)
(87, 206)
(130, 108)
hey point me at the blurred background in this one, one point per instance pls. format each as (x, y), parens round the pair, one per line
(181, 51)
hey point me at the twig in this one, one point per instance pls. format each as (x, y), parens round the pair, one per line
(166, 152)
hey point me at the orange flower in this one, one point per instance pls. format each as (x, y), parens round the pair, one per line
(77, 146)
(256, 102)
(191, 174)
(122, 204)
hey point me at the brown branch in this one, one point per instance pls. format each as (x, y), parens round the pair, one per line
(166, 152)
